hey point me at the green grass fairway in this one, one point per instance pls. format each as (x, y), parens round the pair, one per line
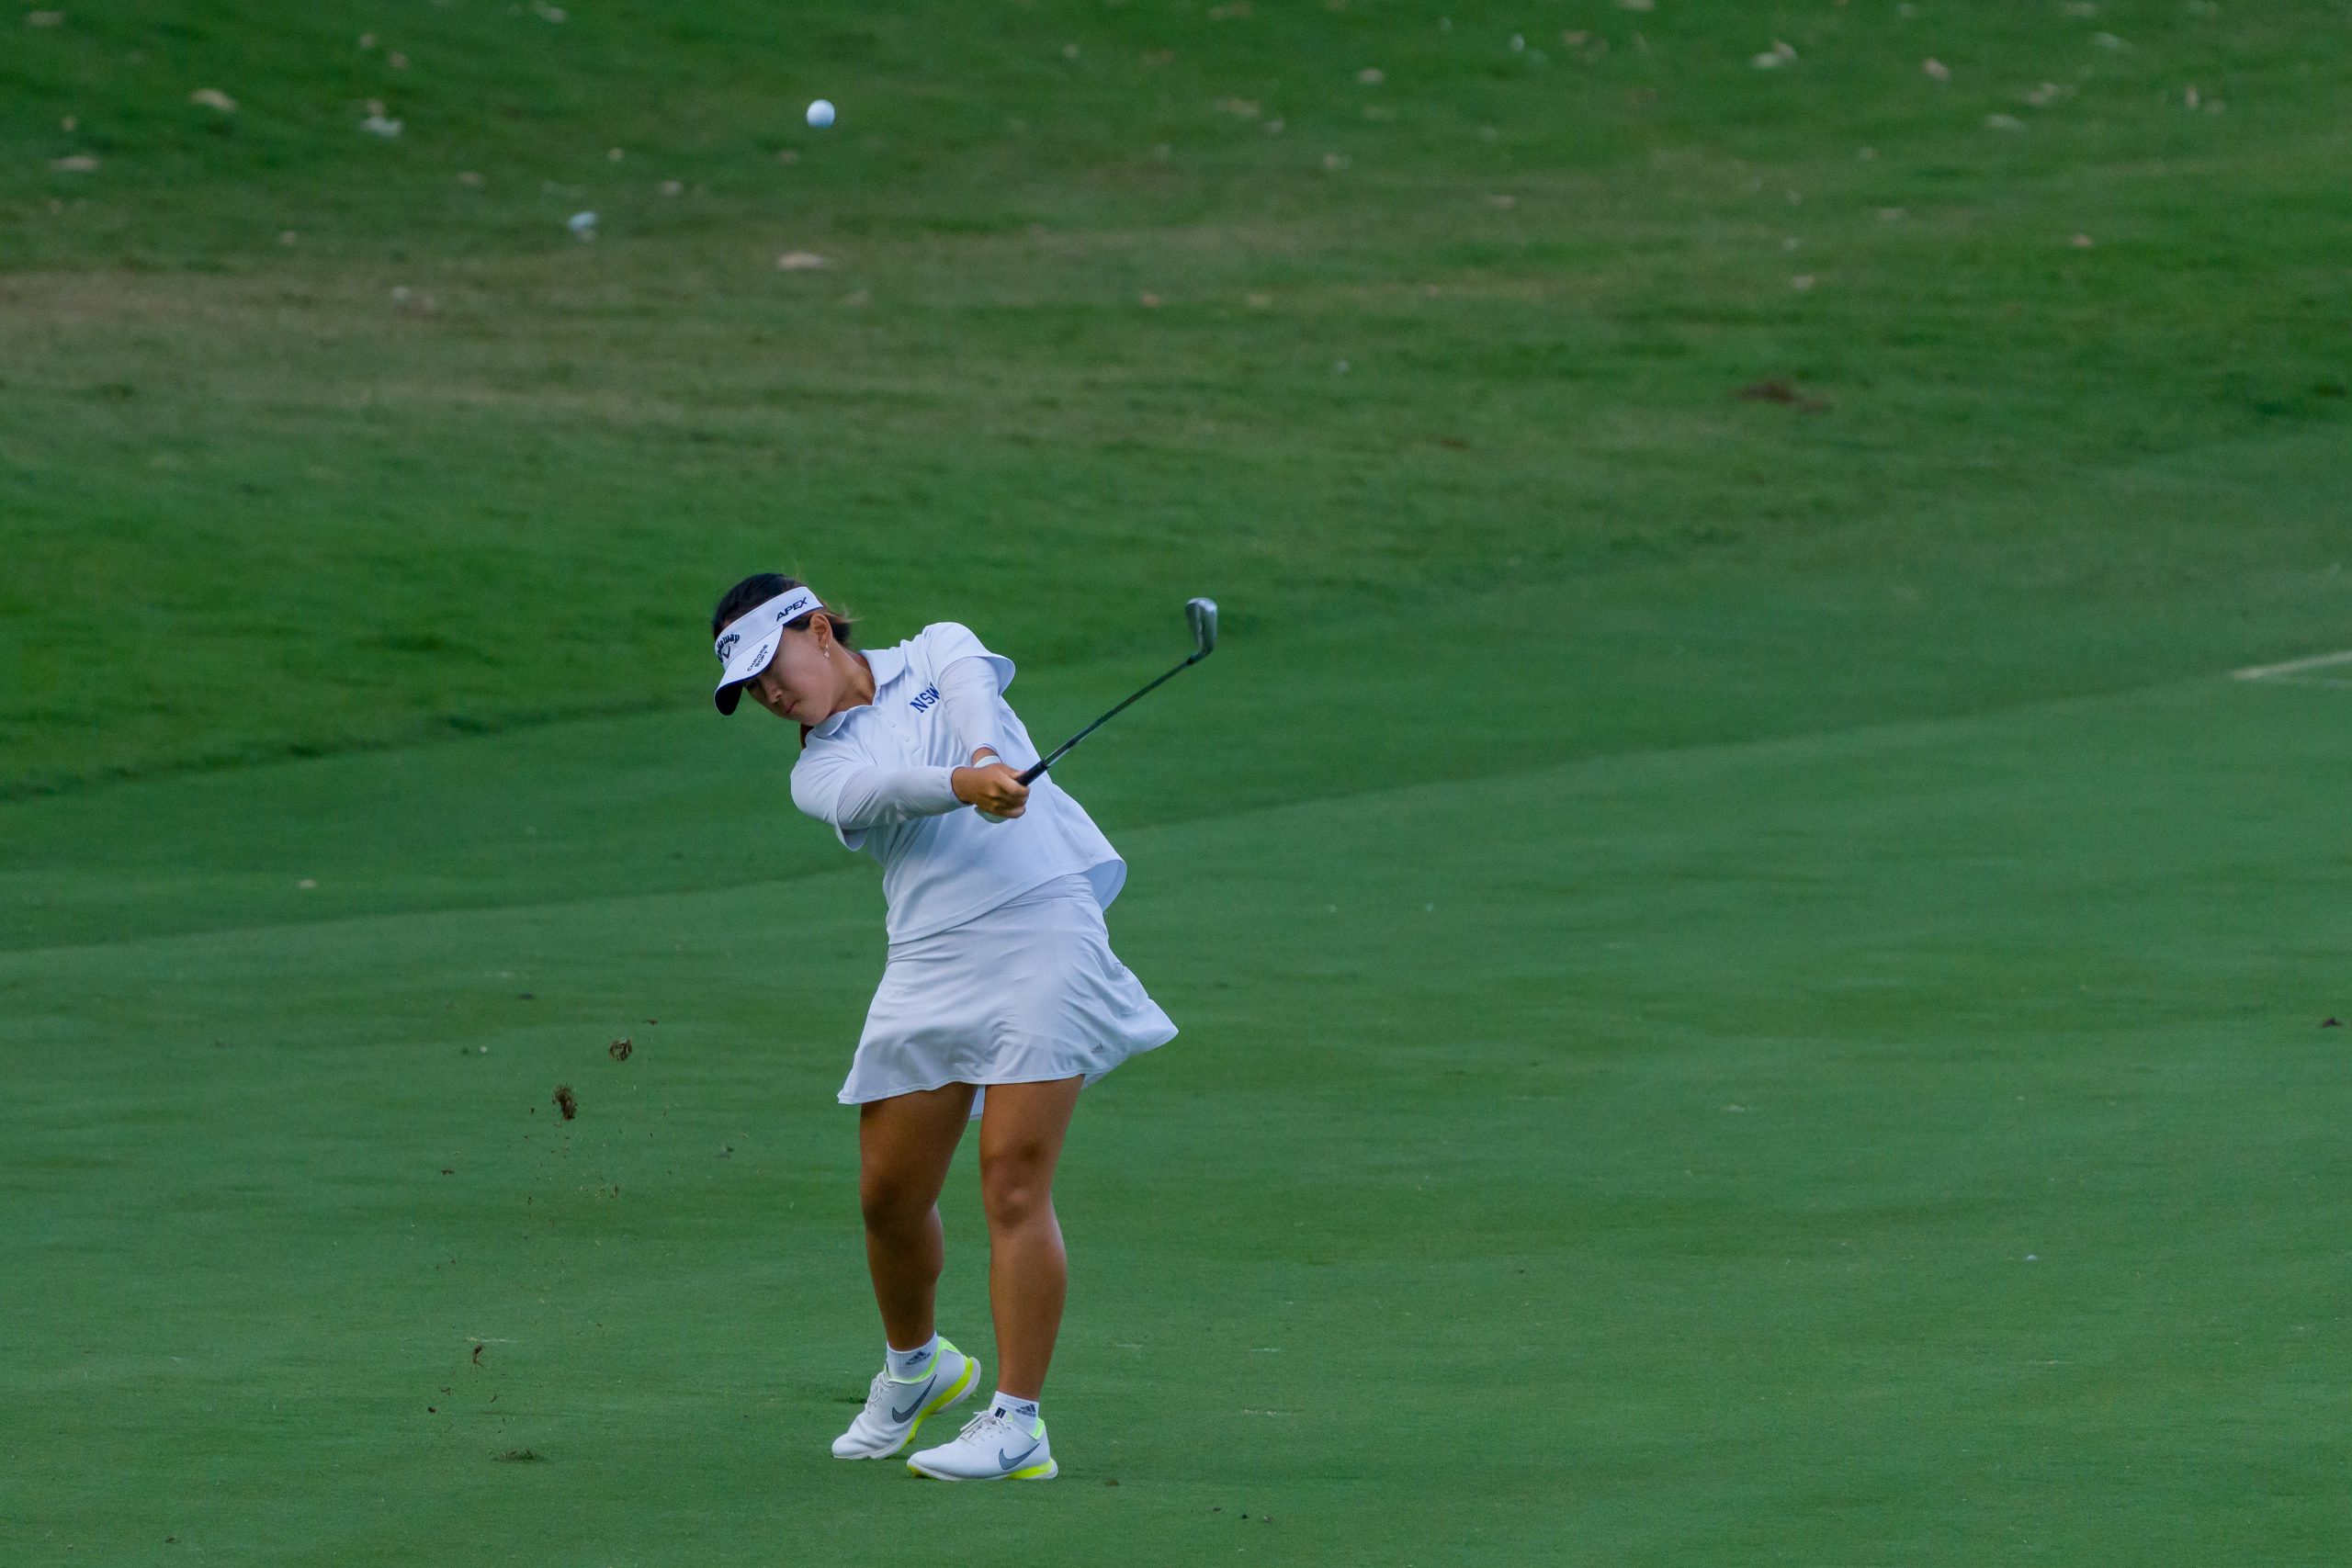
(1755, 990)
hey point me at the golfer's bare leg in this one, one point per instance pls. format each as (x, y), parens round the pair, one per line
(904, 1145)
(1021, 1127)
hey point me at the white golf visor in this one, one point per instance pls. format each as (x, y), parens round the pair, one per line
(750, 641)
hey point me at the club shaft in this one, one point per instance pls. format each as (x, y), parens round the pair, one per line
(1030, 776)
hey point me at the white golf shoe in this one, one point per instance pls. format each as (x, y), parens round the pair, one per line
(895, 1409)
(991, 1447)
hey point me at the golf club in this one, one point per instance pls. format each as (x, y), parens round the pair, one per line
(1201, 614)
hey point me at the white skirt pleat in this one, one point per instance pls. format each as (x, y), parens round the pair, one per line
(1026, 993)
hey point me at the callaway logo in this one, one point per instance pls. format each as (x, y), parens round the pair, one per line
(727, 645)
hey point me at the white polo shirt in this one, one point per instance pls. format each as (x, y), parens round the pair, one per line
(941, 871)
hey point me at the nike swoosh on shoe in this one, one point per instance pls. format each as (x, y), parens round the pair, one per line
(924, 1394)
(1009, 1461)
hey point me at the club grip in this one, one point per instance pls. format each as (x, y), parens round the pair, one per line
(1029, 775)
(991, 816)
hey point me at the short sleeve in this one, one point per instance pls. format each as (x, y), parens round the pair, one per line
(947, 641)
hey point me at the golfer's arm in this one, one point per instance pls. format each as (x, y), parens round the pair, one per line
(851, 797)
(967, 692)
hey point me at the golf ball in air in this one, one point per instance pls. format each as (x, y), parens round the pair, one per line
(820, 114)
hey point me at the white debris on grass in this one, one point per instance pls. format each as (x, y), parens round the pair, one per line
(799, 261)
(1371, 76)
(378, 124)
(1772, 59)
(1937, 68)
(2003, 122)
(583, 224)
(547, 13)
(44, 18)
(213, 98)
(75, 163)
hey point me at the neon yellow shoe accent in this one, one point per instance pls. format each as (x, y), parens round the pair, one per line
(1045, 1471)
(963, 1385)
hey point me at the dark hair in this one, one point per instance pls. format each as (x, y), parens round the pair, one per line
(758, 590)
(761, 586)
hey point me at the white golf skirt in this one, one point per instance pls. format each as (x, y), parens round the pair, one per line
(1026, 993)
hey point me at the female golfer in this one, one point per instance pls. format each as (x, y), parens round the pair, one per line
(1001, 1000)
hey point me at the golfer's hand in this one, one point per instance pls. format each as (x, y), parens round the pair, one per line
(995, 789)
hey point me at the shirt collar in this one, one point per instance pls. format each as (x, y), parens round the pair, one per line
(887, 664)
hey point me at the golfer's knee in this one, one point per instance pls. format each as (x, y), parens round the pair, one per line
(892, 1207)
(1015, 1191)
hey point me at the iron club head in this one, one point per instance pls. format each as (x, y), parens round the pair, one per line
(1202, 613)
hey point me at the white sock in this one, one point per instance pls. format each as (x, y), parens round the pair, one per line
(913, 1366)
(1013, 1407)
